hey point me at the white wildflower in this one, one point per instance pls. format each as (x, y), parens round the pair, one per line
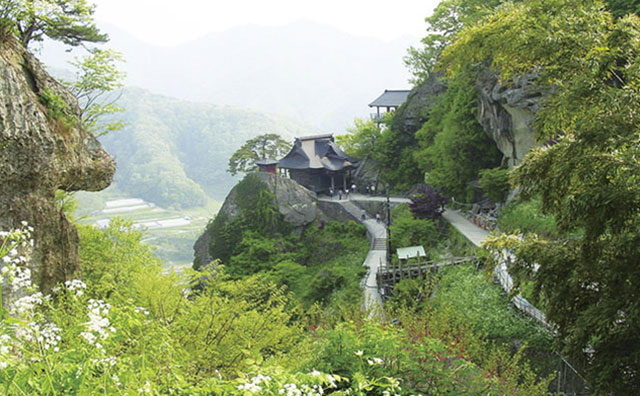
(77, 286)
(26, 304)
(108, 361)
(359, 353)
(146, 388)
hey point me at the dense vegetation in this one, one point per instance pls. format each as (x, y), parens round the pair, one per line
(278, 314)
(587, 178)
(131, 328)
(323, 263)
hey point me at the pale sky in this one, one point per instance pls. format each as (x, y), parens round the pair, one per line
(170, 22)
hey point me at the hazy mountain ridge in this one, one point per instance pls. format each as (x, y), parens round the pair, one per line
(175, 153)
(304, 70)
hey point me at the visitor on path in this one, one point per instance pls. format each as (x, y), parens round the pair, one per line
(353, 188)
(364, 214)
(368, 189)
(331, 193)
(339, 194)
(347, 193)
(377, 217)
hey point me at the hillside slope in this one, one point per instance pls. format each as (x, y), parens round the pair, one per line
(174, 153)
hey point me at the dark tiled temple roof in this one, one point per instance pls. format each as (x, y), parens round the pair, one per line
(317, 152)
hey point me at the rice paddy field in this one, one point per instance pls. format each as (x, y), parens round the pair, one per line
(170, 231)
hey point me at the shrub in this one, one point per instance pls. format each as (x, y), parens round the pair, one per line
(495, 184)
(527, 217)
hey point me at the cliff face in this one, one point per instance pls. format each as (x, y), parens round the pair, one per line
(295, 203)
(415, 111)
(507, 112)
(39, 154)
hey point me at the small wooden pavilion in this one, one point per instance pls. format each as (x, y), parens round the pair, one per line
(389, 100)
(267, 165)
(317, 163)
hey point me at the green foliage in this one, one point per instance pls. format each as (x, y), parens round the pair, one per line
(57, 107)
(422, 364)
(394, 154)
(484, 307)
(523, 217)
(453, 145)
(96, 77)
(145, 331)
(361, 140)
(620, 8)
(114, 257)
(495, 184)
(588, 181)
(446, 21)
(407, 231)
(68, 21)
(269, 145)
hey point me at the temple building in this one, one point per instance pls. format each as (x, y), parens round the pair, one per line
(390, 100)
(267, 165)
(317, 163)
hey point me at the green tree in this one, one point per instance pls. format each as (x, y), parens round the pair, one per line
(361, 140)
(269, 145)
(97, 76)
(453, 146)
(589, 180)
(447, 19)
(68, 21)
(495, 184)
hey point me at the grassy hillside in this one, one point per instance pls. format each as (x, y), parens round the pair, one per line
(174, 153)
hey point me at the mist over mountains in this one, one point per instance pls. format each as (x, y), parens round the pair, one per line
(308, 71)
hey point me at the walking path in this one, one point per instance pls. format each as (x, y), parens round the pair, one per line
(377, 255)
(478, 235)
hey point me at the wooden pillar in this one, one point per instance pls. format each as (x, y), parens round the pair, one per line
(333, 183)
(344, 183)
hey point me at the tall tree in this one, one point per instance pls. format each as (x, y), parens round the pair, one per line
(269, 145)
(590, 180)
(361, 140)
(97, 77)
(68, 21)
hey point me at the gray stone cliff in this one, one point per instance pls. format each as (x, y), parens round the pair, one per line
(39, 155)
(295, 203)
(507, 112)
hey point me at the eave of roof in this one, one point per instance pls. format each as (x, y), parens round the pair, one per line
(391, 98)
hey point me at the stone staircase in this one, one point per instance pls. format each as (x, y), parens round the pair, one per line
(379, 244)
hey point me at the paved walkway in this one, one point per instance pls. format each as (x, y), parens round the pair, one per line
(376, 258)
(471, 231)
(478, 235)
(363, 197)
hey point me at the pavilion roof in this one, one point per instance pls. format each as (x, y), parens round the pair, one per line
(390, 98)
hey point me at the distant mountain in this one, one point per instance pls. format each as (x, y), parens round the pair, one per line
(174, 153)
(312, 72)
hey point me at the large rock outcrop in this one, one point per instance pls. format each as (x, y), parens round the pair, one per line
(507, 112)
(41, 152)
(415, 111)
(295, 203)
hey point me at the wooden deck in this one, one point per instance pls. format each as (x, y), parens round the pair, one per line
(388, 276)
